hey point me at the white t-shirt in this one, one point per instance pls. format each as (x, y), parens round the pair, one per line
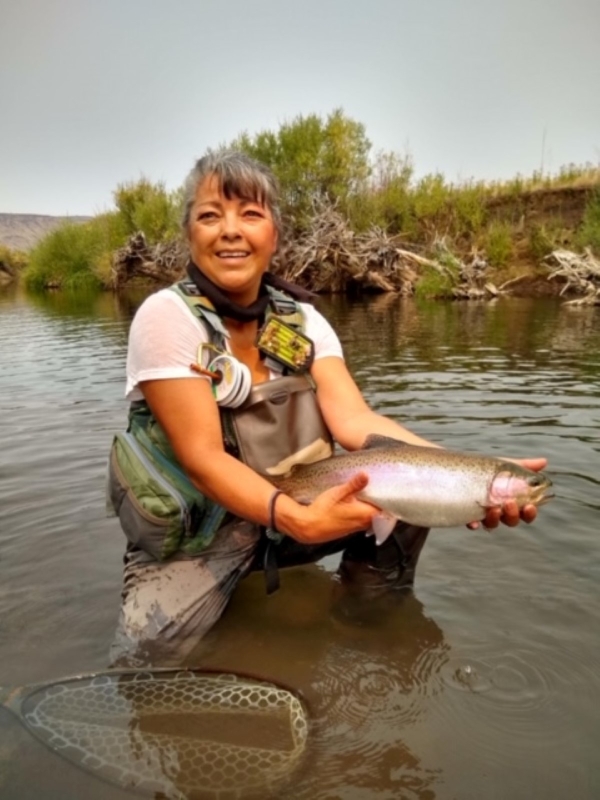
(165, 335)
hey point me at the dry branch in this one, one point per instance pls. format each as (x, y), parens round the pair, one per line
(328, 256)
(579, 273)
(161, 263)
(7, 272)
(469, 277)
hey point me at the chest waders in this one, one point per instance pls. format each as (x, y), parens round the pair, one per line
(278, 425)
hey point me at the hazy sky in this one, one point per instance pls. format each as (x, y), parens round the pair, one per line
(97, 92)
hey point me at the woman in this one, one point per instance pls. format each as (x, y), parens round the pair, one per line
(232, 226)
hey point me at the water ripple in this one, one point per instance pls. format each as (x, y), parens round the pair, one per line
(521, 695)
(514, 717)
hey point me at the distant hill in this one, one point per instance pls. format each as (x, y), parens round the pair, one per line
(23, 231)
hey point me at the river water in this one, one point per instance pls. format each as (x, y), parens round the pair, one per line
(483, 683)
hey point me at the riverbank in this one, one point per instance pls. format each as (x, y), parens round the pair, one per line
(470, 241)
(522, 251)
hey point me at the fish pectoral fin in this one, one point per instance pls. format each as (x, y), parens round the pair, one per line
(374, 440)
(381, 527)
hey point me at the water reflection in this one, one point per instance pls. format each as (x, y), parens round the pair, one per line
(523, 331)
(367, 667)
(88, 305)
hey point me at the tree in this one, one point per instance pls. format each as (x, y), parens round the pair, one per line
(148, 207)
(313, 159)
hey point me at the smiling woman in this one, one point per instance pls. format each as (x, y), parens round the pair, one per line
(233, 239)
(191, 478)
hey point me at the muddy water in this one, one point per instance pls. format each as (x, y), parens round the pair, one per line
(484, 683)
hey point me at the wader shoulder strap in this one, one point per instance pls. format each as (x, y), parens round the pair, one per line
(286, 309)
(200, 306)
(281, 306)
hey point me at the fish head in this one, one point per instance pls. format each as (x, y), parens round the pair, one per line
(513, 482)
(538, 485)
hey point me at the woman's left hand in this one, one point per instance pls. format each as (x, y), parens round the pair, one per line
(510, 514)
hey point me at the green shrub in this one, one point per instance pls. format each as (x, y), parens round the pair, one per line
(540, 244)
(434, 283)
(386, 202)
(430, 197)
(67, 255)
(469, 204)
(439, 282)
(498, 244)
(395, 211)
(589, 233)
(102, 269)
(81, 255)
(313, 158)
(148, 207)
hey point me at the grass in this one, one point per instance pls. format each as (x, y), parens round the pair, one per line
(589, 233)
(498, 245)
(434, 284)
(72, 255)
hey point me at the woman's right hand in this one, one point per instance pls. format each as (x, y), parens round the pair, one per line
(336, 512)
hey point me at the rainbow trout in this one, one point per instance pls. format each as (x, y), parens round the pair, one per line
(423, 486)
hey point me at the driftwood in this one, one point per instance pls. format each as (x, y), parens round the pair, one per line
(327, 257)
(7, 272)
(513, 282)
(161, 263)
(330, 257)
(580, 274)
(468, 278)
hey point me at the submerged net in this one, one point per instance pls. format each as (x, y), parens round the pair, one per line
(180, 734)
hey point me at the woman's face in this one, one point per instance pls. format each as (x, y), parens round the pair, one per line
(231, 241)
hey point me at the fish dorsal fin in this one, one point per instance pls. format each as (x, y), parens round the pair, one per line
(374, 440)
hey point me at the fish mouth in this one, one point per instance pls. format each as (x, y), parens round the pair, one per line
(538, 490)
(543, 498)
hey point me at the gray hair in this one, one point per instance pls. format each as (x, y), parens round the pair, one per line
(238, 176)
